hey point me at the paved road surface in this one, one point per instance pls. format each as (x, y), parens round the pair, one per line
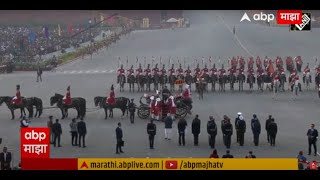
(209, 35)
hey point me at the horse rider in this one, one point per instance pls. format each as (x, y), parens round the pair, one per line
(172, 70)
(213, 70)
(280, 69)
(279, 62)
(258, 62)
(298, 63)
(250, 71)
(306, 69)
(155, 70)
(165, 93)
(67, 97)
(188, 71)
(152, 106)
(139, 70)
(260, 70)
(222, 71)
(231, 70)
(179, 70)
(234, 62)
(197, 70)
(130, 71)
(163, 70)
(121, 72)
(17, 100)
(205, 70)
(111, 100)
(172, 107)
(186, 95)
(157, 109)
(250, 62)
(147, 71)
(242, 62)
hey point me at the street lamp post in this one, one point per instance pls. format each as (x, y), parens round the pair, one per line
(90, 45)
(90, 28)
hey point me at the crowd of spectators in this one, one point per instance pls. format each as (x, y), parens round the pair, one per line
(22, 44)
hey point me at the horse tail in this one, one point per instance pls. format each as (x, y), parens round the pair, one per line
(39, 106)
(83, 107)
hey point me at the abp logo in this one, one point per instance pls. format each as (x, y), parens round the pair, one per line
(35, 143)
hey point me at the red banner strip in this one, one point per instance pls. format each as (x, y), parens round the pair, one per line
(49, 164)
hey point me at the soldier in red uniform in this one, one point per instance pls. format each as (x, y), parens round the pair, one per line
(298, 63)
(196, 70)
(279, 62)
(157, 109)
(67, 98)
(111, 100)
(289, 64)
(222, 71)
(155, 70)
(250, 63)
(17, 100)
(130, 71)
(205, 69)
(306, 72)
(147, 71)
(121, 72)
(188, 71)
(172, 107)
(172, 70)
(139, 70)
(234, 62)
(260, 70)
(258, 62)
(250, 71)
(318, 69)
(280, 69)
(213, 70)
(152, 107)
(163, 70)
(179, 70)
(242, 63)
(306, 69)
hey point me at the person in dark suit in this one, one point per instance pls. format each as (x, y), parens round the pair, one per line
(82, 131)
(5, 159)
(132, 110)
(212, 131)
(195, 127)
(312, 139)
(49, 125)
(256, 129)
(227, 131)
(119, 136)
(268, 121)
(228, 155)
(182, 124)
(273, 129)
(151, 130)
(57, 131)
(39, 73)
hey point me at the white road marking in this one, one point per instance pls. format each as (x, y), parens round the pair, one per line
(87, 71)
(111, 70)
(238, 40)
(72, 72)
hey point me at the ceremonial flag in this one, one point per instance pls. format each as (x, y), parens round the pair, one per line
(59, 30)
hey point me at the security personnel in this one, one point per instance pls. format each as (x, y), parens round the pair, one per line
(195, 127)
(151, 130)
(227, 131)
(132, 110)
(256, 129)
(241, 129)
(212, 131)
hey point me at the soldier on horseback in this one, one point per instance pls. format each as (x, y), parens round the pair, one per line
(258, 62)
(130, 71)
(250, 62)
(155, 70)
(17, 100)
(139, 70)
(242, 63)
(222, 71)
(187, 71)
(205, 70)
(111, 100)
(163, 71)
(213, 70)
(67, 97)
(180, 71)
(197, 70)
(266, 62)
(147, 71)
(234, 62)
(279, 62)
(121, 72)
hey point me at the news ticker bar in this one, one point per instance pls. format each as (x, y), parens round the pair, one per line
(160, 164)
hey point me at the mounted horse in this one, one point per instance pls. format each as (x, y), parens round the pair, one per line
(213, 80)
(283, 80)
(163, 80)
(121, 103)
(148, 81)
(260, 81)
(222, 82)
(122, 81)
(12, 107)
(251, 80)
(172, 82)
(131, 81)
(77, 103)
(140, 81)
